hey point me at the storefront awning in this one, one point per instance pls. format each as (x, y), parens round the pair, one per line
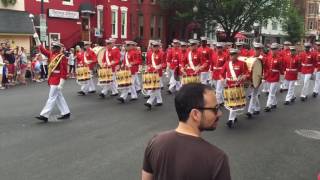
(87, 7)
(15, 22)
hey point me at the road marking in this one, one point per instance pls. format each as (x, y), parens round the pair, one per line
(311, 134)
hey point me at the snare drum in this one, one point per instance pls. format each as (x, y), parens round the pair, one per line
(105, 76)
(151, 81)
(83, 74)
(186, 79)
(235, 97)
(124, 78)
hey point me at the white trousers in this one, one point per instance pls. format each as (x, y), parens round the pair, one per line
(55, 97)
(254, 104)
(110, 87)
(173, 84)
(265, 87)
(272, 98)
(90, 86)
(219, 86)
(291, 87)
(316, 88)
(306, 83)
(284, 84)
(205, 77)
(155, 95)
(136, 82)
(132, 89)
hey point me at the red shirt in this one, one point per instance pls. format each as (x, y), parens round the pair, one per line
(158, 59)
(131, 57)
(113, 55)
(61, 70)
(308, 62)
(240, 68)
(90, 56)
(244, 52)
(196, 60)
(318, 61)
(291, 67)
(218, 61)
(173, 56)
(206, 54)
(272, 68)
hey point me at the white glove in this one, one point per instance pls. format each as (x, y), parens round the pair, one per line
(36, 39)
(60, 86)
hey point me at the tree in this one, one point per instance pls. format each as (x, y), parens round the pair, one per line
(293, 25)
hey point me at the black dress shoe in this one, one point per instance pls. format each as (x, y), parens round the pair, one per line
(42, 118)
(273, 106)
(133, 99)
(120, 99)
(66, 116)
(81, 93)
(293, 99)
(249, 115)
(148, 105)
(230, 124)
(281, 90)
(146, 97)
(302, 98)
(169, 92)
(267, 109)
(256, 112)
(158, 104)
(138, 91)
(102, 95)
(115, 94)
(286, 103)
(91, 92)
(221, 104)
(314, 94)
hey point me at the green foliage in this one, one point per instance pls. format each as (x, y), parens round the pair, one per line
(293, 25)
(8, 2)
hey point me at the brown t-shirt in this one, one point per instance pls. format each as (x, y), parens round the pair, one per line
(175, 156)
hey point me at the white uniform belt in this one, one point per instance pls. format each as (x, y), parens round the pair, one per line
(217, 68)
(274, 70)
(306, 64)
(288, 69)
(56, 71)
(230, 79)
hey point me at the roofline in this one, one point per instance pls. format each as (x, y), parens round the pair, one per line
(9, 34)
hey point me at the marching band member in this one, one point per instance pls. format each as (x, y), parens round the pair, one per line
(273, 67)
(131, 62)
(192, 63)
(206, 53)
(57, 73)
(89, 59)
(218, 60)
(254, 104)
(235, 72)
(317, 73)
(284, 53)
(111, 59)
(173, 59)
(308, 63)
(139, 60)
(291, 67)
(243, 51)
(155, 63)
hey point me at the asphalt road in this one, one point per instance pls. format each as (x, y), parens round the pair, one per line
(105, 140)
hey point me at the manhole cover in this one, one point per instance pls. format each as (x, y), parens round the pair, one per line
(312, 134)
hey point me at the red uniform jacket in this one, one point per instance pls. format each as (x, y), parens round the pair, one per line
(79, 59)
(62, 69)
(196, 60)
(114, 57)
(240, 68)
(131, 58)
(90, 56)
(308, 62)
(206, 54)
(273, 68)
(158, 60)
(173, 56)
(244, 52)
(291, 67)
(218, 61)
(318, 61)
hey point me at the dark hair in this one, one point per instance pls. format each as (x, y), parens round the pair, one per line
(190, 96)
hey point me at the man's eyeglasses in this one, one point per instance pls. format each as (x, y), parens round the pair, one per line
(214, 109)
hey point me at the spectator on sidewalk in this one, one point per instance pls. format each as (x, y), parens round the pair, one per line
(22, 65)
(10, 57)
(36, 68)
(182, 153)
(71, 63)
(2, 69)
(44, 67)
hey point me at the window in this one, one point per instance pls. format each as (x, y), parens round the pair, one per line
(141, 25)
(43, 1)
(265, 24)
(152, 26)
(114, 21)
(124, 22)
(313, 8)
(67, 2)
(312, 25)
(274, 25)
(100, 17)
(160, 27)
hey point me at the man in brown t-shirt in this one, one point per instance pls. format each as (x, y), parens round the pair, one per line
(182, 154)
